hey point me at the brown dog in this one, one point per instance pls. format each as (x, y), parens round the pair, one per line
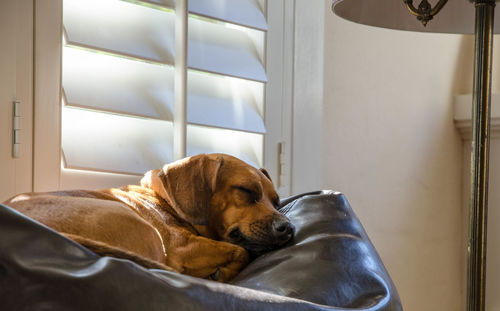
(201, 216)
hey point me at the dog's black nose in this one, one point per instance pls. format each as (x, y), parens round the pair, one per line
(283, 229)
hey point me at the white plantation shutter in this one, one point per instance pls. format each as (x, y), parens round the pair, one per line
(118, 84)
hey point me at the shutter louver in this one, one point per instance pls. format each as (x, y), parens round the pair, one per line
(121, 28)
(118, 84)
(103, 82)
(114, 143)
(225, 102)
(224, 50)
(164, 3)
(246, 146)
(241, 12)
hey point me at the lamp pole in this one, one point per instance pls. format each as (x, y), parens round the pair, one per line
(481, 115)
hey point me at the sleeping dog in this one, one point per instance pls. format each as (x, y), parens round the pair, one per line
(204, 216)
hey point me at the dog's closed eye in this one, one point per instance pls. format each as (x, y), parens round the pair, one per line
(248, 193)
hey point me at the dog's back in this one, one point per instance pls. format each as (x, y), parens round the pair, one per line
(97, 216)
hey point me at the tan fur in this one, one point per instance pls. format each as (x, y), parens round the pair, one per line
(181, 216)
(107, 250)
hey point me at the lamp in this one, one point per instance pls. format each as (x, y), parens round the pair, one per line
(456, 16)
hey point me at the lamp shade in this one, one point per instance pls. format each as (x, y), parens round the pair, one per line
(457, 16)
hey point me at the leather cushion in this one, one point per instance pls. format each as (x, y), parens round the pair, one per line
(330, 265)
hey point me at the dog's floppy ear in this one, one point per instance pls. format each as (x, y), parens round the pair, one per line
(154, 180)
(187, 186)
(266, 173)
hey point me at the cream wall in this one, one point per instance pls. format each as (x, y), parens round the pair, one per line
(390, 144)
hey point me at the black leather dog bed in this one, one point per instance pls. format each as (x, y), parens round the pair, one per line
(330, 265)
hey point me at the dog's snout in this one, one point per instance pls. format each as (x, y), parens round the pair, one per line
(283, 229)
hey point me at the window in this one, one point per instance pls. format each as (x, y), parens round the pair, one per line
(118, 79)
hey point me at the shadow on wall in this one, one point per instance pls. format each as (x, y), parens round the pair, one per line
(462, 78)
(464, 68)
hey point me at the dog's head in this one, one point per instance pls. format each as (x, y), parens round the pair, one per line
(223, 195)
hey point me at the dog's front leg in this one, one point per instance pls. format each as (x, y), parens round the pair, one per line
(207, 258)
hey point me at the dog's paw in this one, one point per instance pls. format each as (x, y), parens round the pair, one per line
(238, 260)
(241, 255)
(209, 259)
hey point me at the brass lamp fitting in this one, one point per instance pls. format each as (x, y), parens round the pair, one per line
(425, 12)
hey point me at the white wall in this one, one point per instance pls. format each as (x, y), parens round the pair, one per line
(389, 144)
